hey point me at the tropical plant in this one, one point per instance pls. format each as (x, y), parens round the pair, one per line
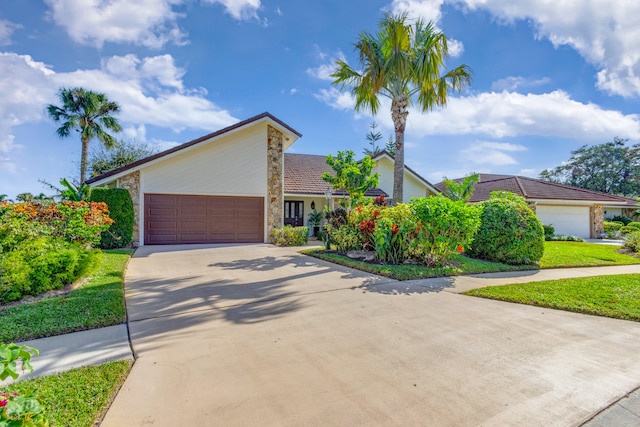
(350, 175)
(400, 62)
(462, 190)
(3, 197)
(290, 236)
(89, 113)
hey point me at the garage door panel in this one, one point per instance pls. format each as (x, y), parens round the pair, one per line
(567, 220)
(171, 219)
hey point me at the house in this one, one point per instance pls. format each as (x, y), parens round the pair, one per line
(304, 189)
(570, 210)
(233, 185)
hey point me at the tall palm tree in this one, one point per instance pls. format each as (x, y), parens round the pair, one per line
(89, 113)
(399, 62)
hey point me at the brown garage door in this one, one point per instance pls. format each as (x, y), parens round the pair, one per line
(172, 219)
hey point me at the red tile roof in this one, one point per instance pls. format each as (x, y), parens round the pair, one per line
(536, 189)
(302, 175)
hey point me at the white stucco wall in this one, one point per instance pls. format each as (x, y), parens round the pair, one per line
(611, 212)
(234, 165)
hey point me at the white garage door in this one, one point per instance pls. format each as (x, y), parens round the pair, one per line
(567, 220)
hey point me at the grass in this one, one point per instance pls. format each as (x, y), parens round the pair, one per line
(98, 303)
(556, 255)
(611, 296)
(78, 397)
(578, 254)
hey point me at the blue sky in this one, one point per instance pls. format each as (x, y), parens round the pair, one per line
(548, 77)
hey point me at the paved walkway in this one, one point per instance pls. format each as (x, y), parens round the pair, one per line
(243, 299)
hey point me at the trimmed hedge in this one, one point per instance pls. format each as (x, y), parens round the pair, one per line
(290, 236)
(509, 232)
(120, 233)
(41, 265)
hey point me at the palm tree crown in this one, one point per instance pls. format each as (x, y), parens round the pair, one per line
(89, 113)
(401, 62)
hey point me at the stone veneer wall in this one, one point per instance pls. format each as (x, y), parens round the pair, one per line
(598, 220)
(131, 182)
(275, 199)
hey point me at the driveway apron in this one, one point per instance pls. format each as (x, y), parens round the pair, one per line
(258, 335)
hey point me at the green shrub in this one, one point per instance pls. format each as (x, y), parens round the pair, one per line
(612, 229)
(509, 232)
(121, 212)
(632, 241)
(40, 265)
(549, 232)
(634, 224)
(443, 227)
(394, 228)
(345, 238)
(623, 219)
(290, 236)
(627, 229)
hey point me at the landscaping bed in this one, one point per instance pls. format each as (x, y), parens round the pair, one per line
(98, 303)
(556, 255)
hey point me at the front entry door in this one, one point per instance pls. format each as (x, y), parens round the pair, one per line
(294, 213)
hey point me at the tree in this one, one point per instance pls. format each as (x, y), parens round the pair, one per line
(390, 146)
(350, 175)
(400, 62)
(89, 113)
(460, 190)
(612, 167)
(123, 153)
(373, 137)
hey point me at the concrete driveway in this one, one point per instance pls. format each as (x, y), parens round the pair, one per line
(259, 335)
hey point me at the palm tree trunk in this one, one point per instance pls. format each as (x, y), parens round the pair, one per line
(83, 160)
(399, 112)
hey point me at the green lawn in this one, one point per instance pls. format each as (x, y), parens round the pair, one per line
(612, 296)
(78, 397)
(556, 255)
(579, 254)
(100, 302)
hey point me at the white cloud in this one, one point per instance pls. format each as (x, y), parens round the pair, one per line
(604, 32)
(505, 114)
(150, 91)
(428, 10)
(512, 83)
(324, 71)
(508, 114)
(336, 99)
(293, 91)
(150, 23)
(6, 31)
(491, 153)
(533, 173)
(25, 88)
(240, 9)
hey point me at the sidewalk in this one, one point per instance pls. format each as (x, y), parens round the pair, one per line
(65, 352)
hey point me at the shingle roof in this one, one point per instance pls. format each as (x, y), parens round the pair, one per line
(302, 175)
(536, 189)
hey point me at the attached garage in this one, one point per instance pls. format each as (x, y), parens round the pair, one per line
(567, 220)
(225, 187)
(178, 219)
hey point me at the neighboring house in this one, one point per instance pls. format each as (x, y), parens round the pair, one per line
(234, 185)
(570, 210)
(304, 189)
